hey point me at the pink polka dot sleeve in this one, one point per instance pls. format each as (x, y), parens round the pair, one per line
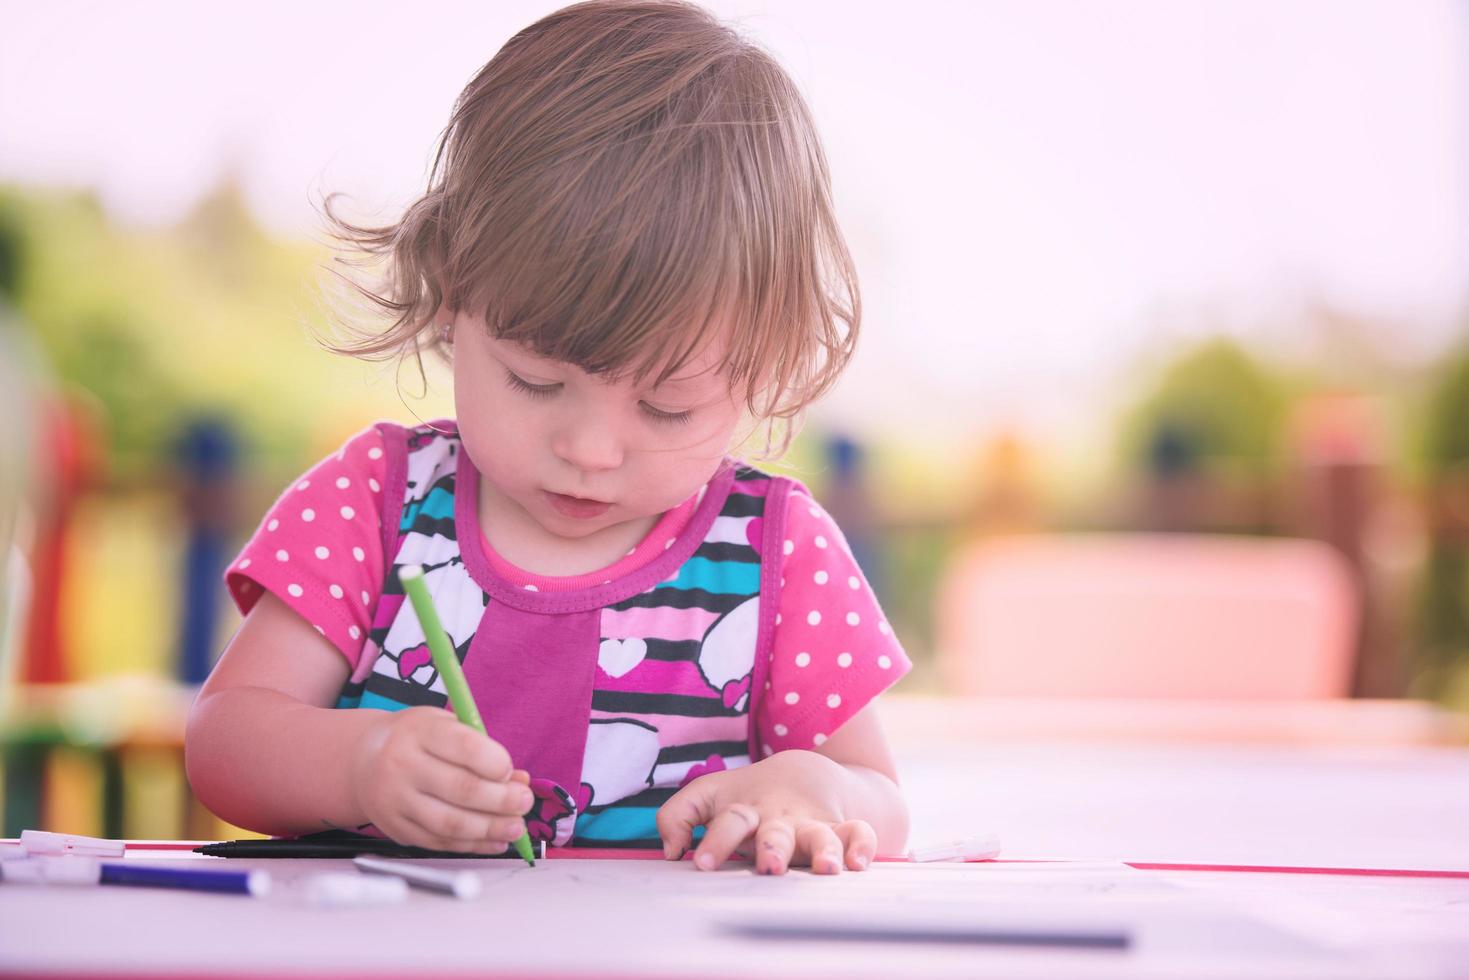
(319, 548)
(833, 651)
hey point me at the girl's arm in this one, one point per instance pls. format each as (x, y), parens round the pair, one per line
(264, 750)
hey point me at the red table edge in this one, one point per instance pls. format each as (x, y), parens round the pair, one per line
(619, 854)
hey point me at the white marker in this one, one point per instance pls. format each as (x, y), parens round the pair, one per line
(45, 842)
(969, 849)
(334, 890)
(460, 884)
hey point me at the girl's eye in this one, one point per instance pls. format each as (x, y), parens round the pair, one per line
(546, 391)
(535, 391)
(667, 418)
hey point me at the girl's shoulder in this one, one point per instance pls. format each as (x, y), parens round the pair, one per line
(796, 496)
(320, 545)
(392, 435)
(424, 434)
(415, 457)
(750, 478)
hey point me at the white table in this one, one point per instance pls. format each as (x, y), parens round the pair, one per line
(1404, 807)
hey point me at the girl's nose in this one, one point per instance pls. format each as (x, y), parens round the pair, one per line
(591, 444)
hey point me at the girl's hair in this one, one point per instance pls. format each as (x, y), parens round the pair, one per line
(625, 181)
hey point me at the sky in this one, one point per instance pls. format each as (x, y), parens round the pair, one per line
(1037, 194)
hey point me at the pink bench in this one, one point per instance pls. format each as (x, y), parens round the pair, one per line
(1147, 615)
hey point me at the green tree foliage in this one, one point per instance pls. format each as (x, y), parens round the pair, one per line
(1442, 651)
(1216, 402)
(211, 316)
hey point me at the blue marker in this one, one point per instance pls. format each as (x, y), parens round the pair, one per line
(76, 870)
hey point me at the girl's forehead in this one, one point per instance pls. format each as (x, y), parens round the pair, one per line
(704, 365)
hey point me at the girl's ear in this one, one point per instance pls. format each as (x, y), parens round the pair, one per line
(442, 326)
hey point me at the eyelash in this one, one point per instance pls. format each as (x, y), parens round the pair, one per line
(546, 391)
(535, 391)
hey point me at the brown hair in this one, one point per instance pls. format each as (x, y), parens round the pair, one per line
(620, 181)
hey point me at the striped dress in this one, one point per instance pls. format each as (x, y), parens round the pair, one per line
(611, 697)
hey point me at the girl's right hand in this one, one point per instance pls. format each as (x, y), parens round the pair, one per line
(425, 778)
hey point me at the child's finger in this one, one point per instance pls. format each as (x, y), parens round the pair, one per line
(676, 819)
(775, 842)
(859, 841)
(730, 828)
(449, 822)
(461, 745)
(520, 776)
(821, 845)
(416, 834)
(463, 788)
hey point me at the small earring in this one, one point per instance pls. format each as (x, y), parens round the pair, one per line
(446, 333)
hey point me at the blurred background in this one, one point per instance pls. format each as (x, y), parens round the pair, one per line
(1158, 430)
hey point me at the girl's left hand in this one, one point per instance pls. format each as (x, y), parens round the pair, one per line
(788, 806)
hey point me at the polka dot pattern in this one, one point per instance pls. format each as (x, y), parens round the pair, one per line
(833, 651)
(319, 549)
(327, 571)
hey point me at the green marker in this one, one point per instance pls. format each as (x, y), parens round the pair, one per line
(448, 667)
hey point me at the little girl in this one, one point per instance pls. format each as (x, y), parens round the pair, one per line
(628, 252)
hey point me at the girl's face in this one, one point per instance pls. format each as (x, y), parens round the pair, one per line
(578, 453)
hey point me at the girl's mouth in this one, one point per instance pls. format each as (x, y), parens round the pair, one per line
(578, 508)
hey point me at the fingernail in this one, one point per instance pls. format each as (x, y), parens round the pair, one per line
(526, 799)
(861, 862)
(705, 861)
